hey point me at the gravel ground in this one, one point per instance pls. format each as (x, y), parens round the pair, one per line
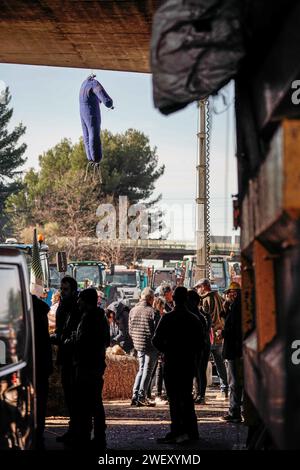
(137, 428)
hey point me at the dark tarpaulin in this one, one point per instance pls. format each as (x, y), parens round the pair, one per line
(196, 48)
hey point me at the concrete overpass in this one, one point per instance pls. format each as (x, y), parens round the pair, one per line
(164, 249)
(103, 34)
(176, 249)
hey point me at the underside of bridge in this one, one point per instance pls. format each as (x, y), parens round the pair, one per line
(105, 34)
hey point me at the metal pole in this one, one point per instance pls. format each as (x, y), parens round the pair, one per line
(201, 200)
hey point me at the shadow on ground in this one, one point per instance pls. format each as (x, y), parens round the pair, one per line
(131, 428)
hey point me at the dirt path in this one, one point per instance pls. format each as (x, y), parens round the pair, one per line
(137, 428)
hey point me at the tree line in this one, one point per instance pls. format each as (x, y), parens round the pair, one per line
(56, 197)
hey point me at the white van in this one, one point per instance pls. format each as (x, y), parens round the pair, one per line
(17, 385)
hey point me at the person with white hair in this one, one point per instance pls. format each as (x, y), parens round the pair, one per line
(141, 330)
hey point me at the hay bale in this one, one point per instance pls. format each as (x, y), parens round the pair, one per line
(118, 381)
(119, 376)
(116, 349)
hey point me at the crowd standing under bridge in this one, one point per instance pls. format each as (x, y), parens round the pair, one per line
(173, 332)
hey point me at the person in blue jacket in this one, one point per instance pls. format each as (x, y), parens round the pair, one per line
(91, 95)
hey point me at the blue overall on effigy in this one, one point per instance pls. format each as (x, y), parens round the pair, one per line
(91, 95)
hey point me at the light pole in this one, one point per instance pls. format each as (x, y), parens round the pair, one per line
(202, 231)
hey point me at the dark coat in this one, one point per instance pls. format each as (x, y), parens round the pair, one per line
(92, 339)
(178, 335)
(122, 318)
(67, 320)
(232, 332)
(169, 307)
(212, 305)
(205, 324)
(43, 352)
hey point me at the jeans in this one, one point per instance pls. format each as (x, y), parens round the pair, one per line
(235, 379)
(157, 377)
(216, 351)
(147, 360)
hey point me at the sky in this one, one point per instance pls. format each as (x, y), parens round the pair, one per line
(45, 99)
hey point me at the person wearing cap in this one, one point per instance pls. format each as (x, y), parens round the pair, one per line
(212, 304)
(232, 352)
(141, 330)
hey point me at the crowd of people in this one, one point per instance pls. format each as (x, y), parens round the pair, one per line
(172, 332)
(82, 336)
(174, 336)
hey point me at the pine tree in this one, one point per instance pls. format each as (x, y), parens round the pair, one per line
(11, 157)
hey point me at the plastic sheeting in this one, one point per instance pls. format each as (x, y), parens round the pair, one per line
(196, 49)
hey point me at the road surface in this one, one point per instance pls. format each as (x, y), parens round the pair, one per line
(138, 428)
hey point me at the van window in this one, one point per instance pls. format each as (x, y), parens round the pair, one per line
(12, 321)
(218, 274)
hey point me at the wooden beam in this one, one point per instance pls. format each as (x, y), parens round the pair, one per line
(265, 296)
(291, 167)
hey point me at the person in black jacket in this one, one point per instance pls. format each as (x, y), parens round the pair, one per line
(67, 320)
(157, 373)
(92, 339)
(203, 358)
(233, 352)
(177, 337)
(43, 364)
(121, 313)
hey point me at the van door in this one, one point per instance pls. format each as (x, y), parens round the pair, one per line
(17, 404)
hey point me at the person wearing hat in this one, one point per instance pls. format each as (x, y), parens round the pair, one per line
(212, 305)
(141, 330)
(232, 351)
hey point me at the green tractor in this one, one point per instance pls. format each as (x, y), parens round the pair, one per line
(88, 273)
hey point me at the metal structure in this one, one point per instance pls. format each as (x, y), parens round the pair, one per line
(202, 200)
(268, 143)
(17, 370)
(87, 273)
(26, 249)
